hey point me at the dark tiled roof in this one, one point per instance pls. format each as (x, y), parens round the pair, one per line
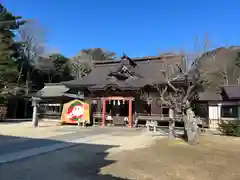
(131, 84)
(210, 95)
(232, 92)
(149, 68)
(52, 90)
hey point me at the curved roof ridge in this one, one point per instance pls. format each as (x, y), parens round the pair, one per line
(138, 59)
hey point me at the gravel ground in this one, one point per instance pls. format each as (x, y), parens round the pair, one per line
(136, 157)
(215, 158)
(82, 161)
(25, 129)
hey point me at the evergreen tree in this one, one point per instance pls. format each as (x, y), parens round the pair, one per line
(54, 68)
(61, 67)
(8, 47)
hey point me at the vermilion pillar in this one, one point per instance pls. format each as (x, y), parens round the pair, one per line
(103, 112)
(130, 114)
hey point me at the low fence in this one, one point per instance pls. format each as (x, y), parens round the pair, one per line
(154, 121)
(49, 111)
(213, 124)
(160, 122)
(143, 120)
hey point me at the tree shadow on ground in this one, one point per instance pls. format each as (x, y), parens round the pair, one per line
(26, 158)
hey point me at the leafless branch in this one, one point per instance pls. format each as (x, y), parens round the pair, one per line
(189, 91)
(33, 37)
(180, 69)
(169, 81)
(162, 92)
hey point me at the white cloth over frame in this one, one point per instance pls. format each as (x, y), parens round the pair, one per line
(109, 118)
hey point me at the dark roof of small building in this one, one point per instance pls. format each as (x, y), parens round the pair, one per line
(232, 91)
(226, 92)
(148, 70)
(210, 95)
(52, 90)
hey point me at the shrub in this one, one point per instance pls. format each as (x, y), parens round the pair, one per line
(3, 100)
(230, 127)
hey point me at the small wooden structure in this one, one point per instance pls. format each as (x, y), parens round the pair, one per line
(223, 103)
(53, 96)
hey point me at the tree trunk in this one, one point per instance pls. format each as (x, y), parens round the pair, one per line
(171, 126)
(16, 102)
(191, 127)
(20, 74)
(26, 93)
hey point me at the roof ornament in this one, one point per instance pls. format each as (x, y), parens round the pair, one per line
(131, 62)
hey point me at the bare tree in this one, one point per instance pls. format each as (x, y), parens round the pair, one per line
(81, 66)
(83, 62)
(197, 71)
(47, 68)
(209, 70)
(178, 97)
(32, 35)
(220, 66)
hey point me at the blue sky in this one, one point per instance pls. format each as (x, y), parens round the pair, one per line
(138, 28)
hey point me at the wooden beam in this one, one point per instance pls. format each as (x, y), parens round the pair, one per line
(103, 112)
(118, 98)
(130, 114)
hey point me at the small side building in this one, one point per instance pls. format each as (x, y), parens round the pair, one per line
(53, 96)
(216, 105)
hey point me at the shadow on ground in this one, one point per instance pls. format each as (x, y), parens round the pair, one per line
(14, 121)
(74, 161)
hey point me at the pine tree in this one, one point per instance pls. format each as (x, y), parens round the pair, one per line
(9, 24)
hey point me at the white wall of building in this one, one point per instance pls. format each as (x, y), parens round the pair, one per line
(214, 112)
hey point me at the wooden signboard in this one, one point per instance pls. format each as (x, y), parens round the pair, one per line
(75, 111)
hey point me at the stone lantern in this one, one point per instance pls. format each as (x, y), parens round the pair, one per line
(35, 104)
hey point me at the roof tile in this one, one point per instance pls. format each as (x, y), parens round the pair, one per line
(149, 70)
